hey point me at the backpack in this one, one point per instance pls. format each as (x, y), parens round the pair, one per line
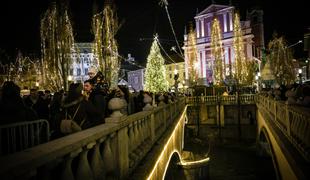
(68, 125)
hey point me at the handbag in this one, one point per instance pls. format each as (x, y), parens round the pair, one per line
(68, 126)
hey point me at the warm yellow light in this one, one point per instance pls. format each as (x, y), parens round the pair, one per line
(165, 147)
(195, 162)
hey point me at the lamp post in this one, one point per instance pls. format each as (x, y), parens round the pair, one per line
(300, 75)
(258, 81)
(176, 82)
(307, 68)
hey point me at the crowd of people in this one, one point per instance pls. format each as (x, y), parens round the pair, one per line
(294, 94)
(85, 104)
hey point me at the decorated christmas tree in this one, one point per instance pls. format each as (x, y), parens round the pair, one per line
(155, 74)
(241, 66)
(192, 55)
(217, 52)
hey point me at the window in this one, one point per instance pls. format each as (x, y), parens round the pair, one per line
(78, 71)
(170, 75)
(86, 71)
(169, 68)
(136, 80)
(184, 75)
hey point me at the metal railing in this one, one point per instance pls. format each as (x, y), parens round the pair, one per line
(111, 150)
(22, 135)
(225, 100)
(293, 121)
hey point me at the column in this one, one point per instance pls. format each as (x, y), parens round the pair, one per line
(197, 28)
(225, 22)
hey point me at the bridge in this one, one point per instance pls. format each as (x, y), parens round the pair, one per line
(142, 145)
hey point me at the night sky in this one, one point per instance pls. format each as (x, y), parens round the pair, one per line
(140, 19)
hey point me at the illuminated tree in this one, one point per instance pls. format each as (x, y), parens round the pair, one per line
(192, 55)
(281, 61)
(105, 27)
(241, 66)
(252, 68)
(217, 52)
(155, 73)
(56, 46)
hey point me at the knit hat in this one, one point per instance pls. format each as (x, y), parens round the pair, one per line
(92, 69)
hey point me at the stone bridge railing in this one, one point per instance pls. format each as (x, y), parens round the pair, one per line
(292, 120)
(112, 150)
(224, 100)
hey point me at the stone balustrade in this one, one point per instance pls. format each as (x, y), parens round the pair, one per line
(292, 120)
(111, 150)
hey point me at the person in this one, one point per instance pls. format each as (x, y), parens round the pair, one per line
(92, 72)
(98, 99)
(12, 107)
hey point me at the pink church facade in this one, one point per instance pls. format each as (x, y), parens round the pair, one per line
(225, 15)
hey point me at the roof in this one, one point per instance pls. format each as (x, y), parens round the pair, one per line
(213, 8)
(84, 47)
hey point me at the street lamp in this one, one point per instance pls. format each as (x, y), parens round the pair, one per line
(176, 82)
(300, 75)
(300, 41)
(257, 77)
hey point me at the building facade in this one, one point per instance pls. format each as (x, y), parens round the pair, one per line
(225, 16)
(136, 79)
(82, 59)
(173, 69)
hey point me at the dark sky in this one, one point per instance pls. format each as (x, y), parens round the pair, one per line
(141, 19)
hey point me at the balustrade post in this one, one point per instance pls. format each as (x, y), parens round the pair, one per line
(152, 128)
(287, 120)
(97, 162)
(165, 117)
(67, 173)
(122, 153)
(83, 170)
(275, 110)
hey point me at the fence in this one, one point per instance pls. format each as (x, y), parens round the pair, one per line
(22, 135)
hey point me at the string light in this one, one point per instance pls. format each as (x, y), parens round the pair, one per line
(105, 26)
(192, 55)
(217, 52)
(56, 43)
(155, 74)
(241, 69)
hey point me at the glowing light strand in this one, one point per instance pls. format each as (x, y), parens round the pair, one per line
(240, 64)
(217, 52)
(155, 73)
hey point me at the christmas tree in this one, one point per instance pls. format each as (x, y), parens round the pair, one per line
(155, 74)
(240, 66)
(192, 55)
(217, 52)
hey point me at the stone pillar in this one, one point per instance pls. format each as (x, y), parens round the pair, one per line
(121, 139)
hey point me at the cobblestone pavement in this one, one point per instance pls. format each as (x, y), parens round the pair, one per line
(230, 159)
